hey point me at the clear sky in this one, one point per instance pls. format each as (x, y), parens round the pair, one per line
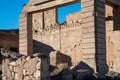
(63, 11)
(11, 9)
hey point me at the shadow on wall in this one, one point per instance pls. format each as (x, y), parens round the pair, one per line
(62, 58)
(59, 61)
(39, 47)
(116, 18)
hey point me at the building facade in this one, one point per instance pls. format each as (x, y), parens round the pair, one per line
(90, 35)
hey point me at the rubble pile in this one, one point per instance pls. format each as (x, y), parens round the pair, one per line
(26, 68)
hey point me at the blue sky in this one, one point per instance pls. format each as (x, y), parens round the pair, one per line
(11, 9)
(63, 11)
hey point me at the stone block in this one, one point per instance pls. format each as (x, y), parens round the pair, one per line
(38, 66)
(37, 74)
(53, 58)
(13, 63)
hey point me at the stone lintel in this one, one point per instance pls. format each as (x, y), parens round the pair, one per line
(51, 4)
(39, 2)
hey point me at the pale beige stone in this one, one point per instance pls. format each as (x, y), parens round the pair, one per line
(38, 65)
(28, 58)
(24, 71)
(37, 74)
(13, 63)
(4, 78)
(11, 68)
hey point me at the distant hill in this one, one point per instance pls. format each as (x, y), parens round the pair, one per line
(14, 31)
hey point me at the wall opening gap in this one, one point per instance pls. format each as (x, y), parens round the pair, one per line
(63, 11)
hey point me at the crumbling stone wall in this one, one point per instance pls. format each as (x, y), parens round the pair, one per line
(86, 34)
(65, 38)
(26, 68)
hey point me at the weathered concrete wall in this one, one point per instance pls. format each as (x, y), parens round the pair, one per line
(26, 68)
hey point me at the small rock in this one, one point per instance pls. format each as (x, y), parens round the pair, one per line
(29, 78)
(13, 75)
(4, 78)
(19, 61)
(37, 74)
(30, 66)
(36, 54)
(9, 74)
(28, 58)
(15, 69)
(20, 73)
(13, 63)
(24, 72)
(16, 76)
(38, 66)
(4, 69)
(11, 68)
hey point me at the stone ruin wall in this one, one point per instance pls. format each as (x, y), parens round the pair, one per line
(112, 40)
(88, 40)
(65, 37)
(26, 68)
(61, 40)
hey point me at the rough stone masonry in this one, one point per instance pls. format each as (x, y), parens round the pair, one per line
(26, 68)
(90, 36)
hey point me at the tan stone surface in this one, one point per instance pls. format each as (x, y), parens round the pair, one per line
(112, 42)
(33, 69)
